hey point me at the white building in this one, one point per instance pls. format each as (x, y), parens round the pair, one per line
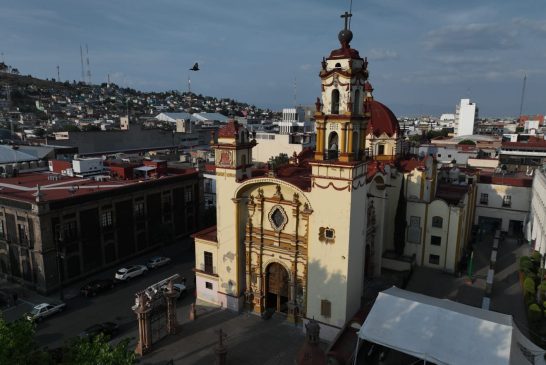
(273, 144)
(503, 201)
(536, 230)
(465, 117)
(293, 121)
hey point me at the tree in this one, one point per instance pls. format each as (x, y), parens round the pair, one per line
(71, 128)
(468, 142)
(534, 313)
(91, 128)
(529, 286)
(278, 161)
(400, 223)
(17, 345)
(98, 351)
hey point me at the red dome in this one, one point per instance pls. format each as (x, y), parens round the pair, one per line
(382, 119)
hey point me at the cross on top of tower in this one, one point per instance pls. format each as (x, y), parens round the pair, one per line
(346, 15)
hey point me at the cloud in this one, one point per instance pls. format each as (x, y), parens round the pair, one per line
(379, 54)
(475, 37)
(534, 25)
(463, 60)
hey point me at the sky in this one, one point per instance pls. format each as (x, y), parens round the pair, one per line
(424, 55)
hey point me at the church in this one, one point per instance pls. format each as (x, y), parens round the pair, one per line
(301, 240)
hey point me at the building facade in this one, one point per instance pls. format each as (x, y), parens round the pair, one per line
(88, 225)
(297, 241)
(466, 114)
(536, 230)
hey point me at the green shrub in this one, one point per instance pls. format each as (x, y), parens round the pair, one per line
(536, 257)
(526, 265)
(529, 286)
(534, 313)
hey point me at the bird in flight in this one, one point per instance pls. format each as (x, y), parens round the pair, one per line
(195, 67)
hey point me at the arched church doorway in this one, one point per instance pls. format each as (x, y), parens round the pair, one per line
(276, 282)
(333, 143)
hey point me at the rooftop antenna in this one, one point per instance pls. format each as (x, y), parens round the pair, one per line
(88, 67)
(522, 95)
(2, 53)
(58, 74)
(83, 70)
(295, 91)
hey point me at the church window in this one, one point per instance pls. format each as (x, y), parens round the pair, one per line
(356, 102)
(436, 240)
(329, 233)
(208, 285)
(437, 221)
(414, 230)
(335, 102)
(333, 143)
(277, 218)
(381, 149)
(325, 308)
(338, 65)
(434, 259)
(208, 263)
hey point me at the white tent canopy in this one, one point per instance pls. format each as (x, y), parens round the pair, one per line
(446, 332)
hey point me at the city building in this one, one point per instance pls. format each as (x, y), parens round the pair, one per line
(56, 227)
(536, 229)
(523, 156)
(503, 200)
(297, 240)
(466, 114)
(439, 213)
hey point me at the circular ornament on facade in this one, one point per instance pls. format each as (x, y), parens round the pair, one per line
(278, 218)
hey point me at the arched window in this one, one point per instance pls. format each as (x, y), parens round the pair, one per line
(333, 145)
(437, 221)
(356, 102)
(338, 65)
(335, 102)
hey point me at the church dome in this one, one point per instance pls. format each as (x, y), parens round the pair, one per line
(382, 119)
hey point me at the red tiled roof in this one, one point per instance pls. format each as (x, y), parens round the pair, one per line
(411, 164)
(208, 234)
(519, 179)
(382, 119)
(229, 130)
(23, 187)
(531, 144)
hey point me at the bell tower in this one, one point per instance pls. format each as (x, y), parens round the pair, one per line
(340, 117)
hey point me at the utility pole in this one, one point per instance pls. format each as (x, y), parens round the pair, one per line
(522, 96)
(88, 67)
(81, 57)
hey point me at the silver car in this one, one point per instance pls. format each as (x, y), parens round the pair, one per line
(129, 272)
(157, 261)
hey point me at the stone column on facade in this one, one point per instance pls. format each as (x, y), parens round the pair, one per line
(319, 152)
(342, 139)
(142, 311)
(171, 295)
(350, 140)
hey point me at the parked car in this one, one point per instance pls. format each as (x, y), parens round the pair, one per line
(157, 261)
(44, 310)
(129, 272)
(109, 329)
(181, 288)
(96, 286)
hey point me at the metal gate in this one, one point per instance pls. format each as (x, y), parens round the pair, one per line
(158, 318)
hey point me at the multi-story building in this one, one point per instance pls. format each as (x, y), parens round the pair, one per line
(523, 156)
(503, 200)
(50, 221)
(536, 231)
(466, 114)
(439, 213)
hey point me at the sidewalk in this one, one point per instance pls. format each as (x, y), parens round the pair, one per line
(507, 295)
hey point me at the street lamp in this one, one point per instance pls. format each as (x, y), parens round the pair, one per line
(60, 256)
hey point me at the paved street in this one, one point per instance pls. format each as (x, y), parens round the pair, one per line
(194, 344)
(114, 305)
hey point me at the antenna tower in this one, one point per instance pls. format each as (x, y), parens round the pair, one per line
(522, 95)
(83, 70)
(295, 91)
(58, 74)
(88, 67)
